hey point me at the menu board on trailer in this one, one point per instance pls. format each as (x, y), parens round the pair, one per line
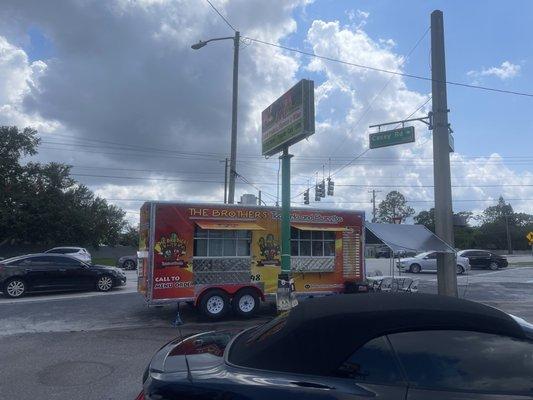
(173, 251)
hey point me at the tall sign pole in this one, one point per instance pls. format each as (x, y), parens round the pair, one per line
(286, 211)
(285, 122)
(446, 272)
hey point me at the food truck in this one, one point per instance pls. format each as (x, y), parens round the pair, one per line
(221, 257)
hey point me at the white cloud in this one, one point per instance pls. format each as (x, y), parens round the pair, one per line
(358, 18)
(19, 78)
(506, 70)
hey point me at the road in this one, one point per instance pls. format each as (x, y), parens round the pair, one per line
(97, 345)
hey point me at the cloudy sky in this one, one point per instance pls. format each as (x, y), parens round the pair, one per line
(115, 90)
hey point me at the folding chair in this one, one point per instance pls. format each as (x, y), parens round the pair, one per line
(406, 284)
(386, 285)
(413, 287)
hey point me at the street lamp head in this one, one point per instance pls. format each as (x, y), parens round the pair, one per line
(198, 45)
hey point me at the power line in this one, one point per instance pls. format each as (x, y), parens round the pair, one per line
(221, 16)
(369, 107)
(364, 152)
(421, 162)
(254, 186)
(259, 158)
(386, 71)
(294, 184)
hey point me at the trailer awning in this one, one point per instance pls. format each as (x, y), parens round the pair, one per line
(230, 225)
(402, 237)
(318, 227)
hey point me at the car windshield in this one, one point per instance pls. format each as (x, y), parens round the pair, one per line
(422, 255)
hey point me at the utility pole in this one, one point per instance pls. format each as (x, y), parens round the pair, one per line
(509, 244)
(233, 154)
(226, 181)
(374, 191)
(446, 272)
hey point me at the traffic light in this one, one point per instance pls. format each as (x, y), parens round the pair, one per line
(331, 186)
(317, 192)
(322, 188)
(306, 197)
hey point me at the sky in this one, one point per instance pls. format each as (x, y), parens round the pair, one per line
(115, 90)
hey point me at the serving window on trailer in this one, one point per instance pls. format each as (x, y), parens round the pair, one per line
(193, 247)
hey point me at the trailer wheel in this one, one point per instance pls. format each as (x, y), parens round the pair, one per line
(214, 304)
(245, 303)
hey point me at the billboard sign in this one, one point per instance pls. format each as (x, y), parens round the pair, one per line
(289, 119)
(392, 137)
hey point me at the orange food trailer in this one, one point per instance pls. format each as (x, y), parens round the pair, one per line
(220, 257)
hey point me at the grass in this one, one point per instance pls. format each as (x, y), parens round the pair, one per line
(521, 264)
(105, 261)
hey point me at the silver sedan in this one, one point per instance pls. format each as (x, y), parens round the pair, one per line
(428, 262)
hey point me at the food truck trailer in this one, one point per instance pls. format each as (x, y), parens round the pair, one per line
(220, 256)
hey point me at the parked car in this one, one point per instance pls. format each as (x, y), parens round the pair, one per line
(427, 261)
(484, 259)
(77, 252)
(127, 262)
(385, 252)
(54, 272)
(379, 346)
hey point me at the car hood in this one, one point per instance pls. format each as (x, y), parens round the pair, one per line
(200, 351)
(106, 268)
(409, 259)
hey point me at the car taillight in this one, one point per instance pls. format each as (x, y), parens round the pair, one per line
(140, 396)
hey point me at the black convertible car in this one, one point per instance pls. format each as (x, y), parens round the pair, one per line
(384, 346)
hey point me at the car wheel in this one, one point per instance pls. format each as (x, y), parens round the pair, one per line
(493, 266)
(415, 268)
(15, 288)
(129, 264)
(460, 270)
(245, 303)
(377, 255)
(104, 283)
(214, 304)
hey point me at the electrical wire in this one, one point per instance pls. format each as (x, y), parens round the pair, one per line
(254, 184)
(221, 16)
(369, 106)
(386, 71)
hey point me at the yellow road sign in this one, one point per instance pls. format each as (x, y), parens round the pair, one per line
(529, 237)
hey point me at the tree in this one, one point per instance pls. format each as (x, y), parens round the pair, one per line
(501, 225)
(394, 206)
(42, 204)
(426, 218)
(129, 236)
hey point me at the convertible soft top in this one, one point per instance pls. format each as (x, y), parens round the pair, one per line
(319, 334)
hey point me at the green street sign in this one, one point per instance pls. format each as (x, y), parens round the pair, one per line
(392, 137)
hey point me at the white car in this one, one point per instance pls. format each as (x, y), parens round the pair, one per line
(77, 252)
(428, 262)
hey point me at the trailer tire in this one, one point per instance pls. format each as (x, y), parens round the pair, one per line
(245, 303)
(214, 304)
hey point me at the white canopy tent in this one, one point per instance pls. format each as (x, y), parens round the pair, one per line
(408, 238)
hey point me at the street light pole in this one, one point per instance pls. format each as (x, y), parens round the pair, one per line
(233, 150)
(233, 153)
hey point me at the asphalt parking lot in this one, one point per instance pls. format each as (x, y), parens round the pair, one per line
(90, 345)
